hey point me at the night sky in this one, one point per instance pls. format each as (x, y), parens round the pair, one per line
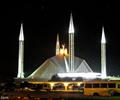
(44, 19)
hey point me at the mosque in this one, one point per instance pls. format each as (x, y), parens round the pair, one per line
(64, 63)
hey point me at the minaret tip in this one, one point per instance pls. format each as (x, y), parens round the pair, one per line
(71, 26)
(103, 40)
(57, 45)
(21, 36)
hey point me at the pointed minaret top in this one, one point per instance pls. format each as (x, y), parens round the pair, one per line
(71, 26)
(57, 45)
(21, 36)
(103, 40)
(57, 38)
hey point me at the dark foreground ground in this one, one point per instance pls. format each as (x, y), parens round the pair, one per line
(51, 96)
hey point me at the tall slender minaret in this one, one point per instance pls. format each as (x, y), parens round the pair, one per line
(103, 54)
(71, 44)
(57, 45)
(21, 54)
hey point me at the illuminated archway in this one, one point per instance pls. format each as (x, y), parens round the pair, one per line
(59, 86)
(72, 86)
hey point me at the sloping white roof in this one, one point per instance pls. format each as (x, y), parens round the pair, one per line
(55, 65)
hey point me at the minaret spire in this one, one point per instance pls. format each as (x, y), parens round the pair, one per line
(21, 54)
(71, 26)
(57, 45)
(103, 54)
(103, 40)
(21, 36)
(71, 44)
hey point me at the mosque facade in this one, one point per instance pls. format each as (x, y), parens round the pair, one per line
(64, 63)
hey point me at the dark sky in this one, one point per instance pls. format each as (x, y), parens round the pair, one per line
(44, 19)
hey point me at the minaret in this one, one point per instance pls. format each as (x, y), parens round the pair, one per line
(21, 54)
(103, 54)
(71, 44)
(57, 45)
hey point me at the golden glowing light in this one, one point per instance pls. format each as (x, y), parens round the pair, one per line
(63, 50)
(65, 83)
